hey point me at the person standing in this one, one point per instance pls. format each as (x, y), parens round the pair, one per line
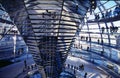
(25, 63)
(85, 75)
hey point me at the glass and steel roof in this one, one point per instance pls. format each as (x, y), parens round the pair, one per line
(51, 28)
(48, 28)
(98, 39)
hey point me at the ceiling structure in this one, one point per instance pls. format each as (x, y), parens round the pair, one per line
(48, 28)
(51, 27)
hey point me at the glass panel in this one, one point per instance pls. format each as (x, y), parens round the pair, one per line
(102, 9)
(109, 4)
(97, 10)
(118, 1)
(103, 1)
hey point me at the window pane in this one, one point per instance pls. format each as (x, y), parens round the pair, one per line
(109, 4)
(103, 1)
(97, 10)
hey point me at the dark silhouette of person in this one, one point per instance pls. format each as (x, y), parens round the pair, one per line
(106, 14)
(87, 48)
(68, 66)
(116, 10)
(43, 15)
(115, 29)
(103, 29)
(95, 16)
(102, 42)
(85, 76)
(98, 17)
(4, 30)
(90, 39)
(110, 13)
(86, 38)
(81, 46)
(98, 41)
(102, 52)
(103, 15)
(81, 67)
(76, 7)
(71, 66)
(74, 71)
(25, 63)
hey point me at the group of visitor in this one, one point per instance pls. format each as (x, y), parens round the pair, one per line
(112, 29)
(85, 38)
(29, 67)
(109, 13)
(75, 68)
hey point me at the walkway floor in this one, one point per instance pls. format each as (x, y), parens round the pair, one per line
(15, 69)
(93, 71)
